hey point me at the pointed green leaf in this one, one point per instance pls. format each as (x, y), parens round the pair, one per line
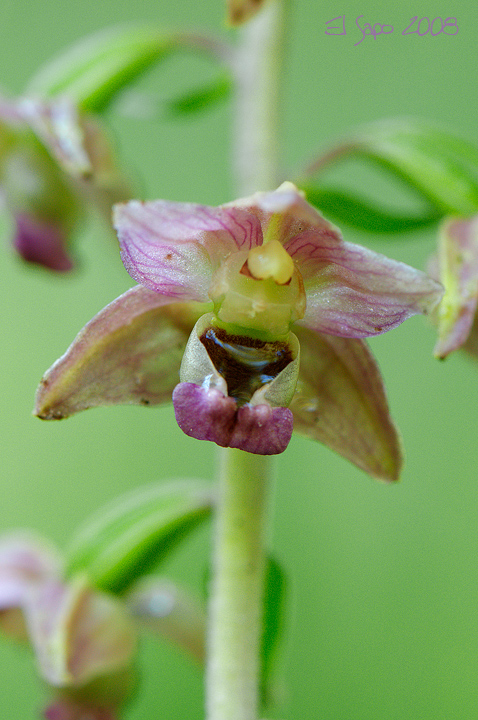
(125, 539)
(342, 206)
(202, 98)
(438, 165)
(274, 609)
(92, 72)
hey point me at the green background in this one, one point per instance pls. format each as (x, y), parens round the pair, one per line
(383, 580)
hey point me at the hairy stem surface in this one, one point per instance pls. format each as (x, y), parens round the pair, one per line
(236, 600)
(236, 605)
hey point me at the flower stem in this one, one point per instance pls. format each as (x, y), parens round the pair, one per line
(236, 601)
(258, 73)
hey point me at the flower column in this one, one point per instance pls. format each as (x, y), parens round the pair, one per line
(236, 600)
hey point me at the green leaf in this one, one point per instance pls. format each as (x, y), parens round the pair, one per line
(202, 98)
(440, 166)
(127, 538)
(342, 206)
(93, 71)
(274, 607)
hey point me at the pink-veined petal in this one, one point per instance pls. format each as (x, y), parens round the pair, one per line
(290, 212)
(354, 292)
(174, 248)
(130, 353)
(340, 401)
(458, 270)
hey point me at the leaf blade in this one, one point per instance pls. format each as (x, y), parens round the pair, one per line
(125, 539)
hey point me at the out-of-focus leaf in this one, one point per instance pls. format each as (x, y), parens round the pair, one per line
(438, 165)
(202, 98)
(342, 206)
(274, 609)
(92, 72)
(124, 540)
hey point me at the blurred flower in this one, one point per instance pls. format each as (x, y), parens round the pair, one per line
(84, 640)
(456, 265)
(240, 276)
(240, 11)
(54, 162)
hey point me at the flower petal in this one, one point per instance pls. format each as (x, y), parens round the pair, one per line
(174, 248)
(354, 292)
(42, 242)
(57, 124)
(340, 401)
(291, 212)
(129, 353)
(78, 633)
(471, 343)
(458, 269)
(25, 561)
(210, 415)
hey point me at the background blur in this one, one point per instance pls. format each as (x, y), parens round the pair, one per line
(383, 580)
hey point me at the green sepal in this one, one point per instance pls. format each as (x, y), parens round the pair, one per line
(342, 206)
(127, 538)
(439, 166)
(94, 70)
(273, 625)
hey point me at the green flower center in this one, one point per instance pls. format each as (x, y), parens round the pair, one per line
(258, 292)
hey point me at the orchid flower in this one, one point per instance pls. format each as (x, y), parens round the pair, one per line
(53, 162)
(261, 307)
(84, 640)
(457, 267)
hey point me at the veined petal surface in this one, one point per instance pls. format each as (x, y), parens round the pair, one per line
(290, 212)
(340, 401)
(174, 248)
(130, 353)
(354, 292)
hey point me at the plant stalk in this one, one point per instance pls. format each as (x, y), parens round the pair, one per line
(236, 599)
(258, 74)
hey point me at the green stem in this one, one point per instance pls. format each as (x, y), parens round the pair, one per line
(258, 74)
(236, 601)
